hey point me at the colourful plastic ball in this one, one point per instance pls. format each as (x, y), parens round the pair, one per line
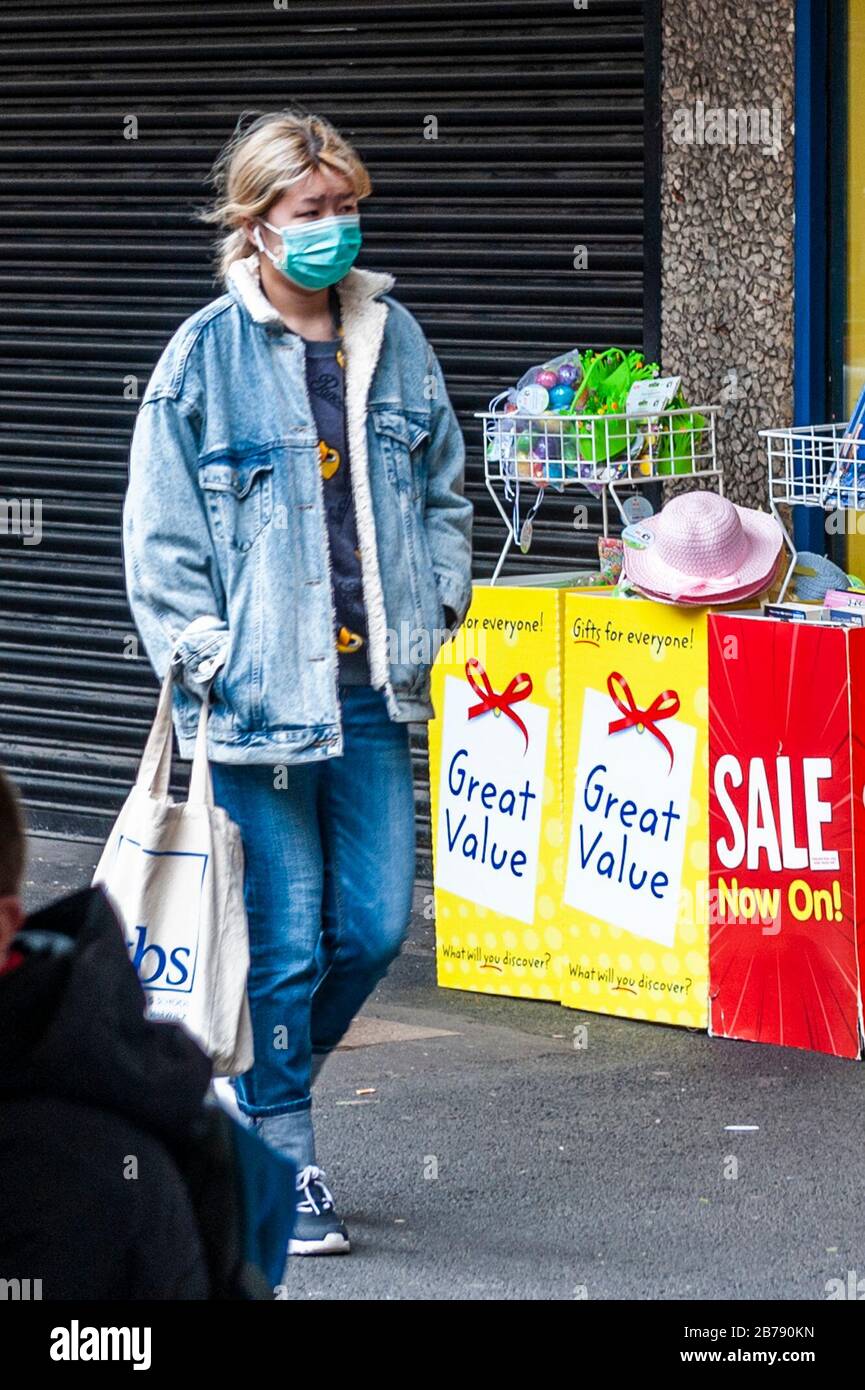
(556, 473)
(561, 396)
(569, 450)
(547, 379)
(547, 447)
(568, 373)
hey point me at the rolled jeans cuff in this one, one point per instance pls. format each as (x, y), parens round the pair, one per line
(290, 1135)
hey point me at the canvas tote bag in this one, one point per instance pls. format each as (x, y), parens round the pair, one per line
(174, 873)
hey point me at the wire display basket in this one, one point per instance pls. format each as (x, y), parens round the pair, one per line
(598, 452)
(813, 466)
(808, 467)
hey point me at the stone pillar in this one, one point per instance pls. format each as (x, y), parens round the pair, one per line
(727, 220)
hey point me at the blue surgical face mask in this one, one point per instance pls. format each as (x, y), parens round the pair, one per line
(315, 254)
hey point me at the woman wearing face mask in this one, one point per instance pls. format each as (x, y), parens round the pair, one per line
(297, 546)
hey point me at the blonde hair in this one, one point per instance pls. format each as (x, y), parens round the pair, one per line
(263, 160)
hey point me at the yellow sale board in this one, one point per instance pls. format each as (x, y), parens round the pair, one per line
(635, 893)
(496, 796)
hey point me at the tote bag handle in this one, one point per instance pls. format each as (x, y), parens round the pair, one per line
(154, 770)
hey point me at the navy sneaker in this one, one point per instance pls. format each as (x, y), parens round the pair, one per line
(317, 1228)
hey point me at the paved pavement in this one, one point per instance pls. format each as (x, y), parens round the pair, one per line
(476, 1154)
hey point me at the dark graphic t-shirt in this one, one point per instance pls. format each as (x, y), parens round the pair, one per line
(324, 379)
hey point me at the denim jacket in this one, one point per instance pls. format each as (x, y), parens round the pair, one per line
(225, 541)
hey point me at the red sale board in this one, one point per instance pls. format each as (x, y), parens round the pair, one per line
(786, 770)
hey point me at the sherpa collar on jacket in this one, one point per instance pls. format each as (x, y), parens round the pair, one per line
(356, 287)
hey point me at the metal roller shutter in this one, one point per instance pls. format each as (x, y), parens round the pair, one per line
(541, 145)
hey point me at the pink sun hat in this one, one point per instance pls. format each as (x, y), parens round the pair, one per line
(702, 546)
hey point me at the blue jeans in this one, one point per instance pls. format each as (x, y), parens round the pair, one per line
(330, 864)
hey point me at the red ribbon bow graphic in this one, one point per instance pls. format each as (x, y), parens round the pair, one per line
(520, 688)
(664, 706)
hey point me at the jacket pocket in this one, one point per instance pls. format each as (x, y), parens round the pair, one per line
(399, 437)
(238, 488)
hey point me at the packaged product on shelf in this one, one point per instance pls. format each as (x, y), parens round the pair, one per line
(552, 385)
(845, 617)
(844, 606)
(604, 433)
(791, 612)
(844, 598)
(610, 558)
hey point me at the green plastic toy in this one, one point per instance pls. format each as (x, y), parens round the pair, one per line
(681, 442)
(607, 378)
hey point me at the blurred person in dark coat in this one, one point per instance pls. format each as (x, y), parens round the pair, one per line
(121, 1179)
